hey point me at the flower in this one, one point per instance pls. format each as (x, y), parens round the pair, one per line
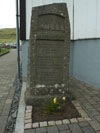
(63, 98)
(55, 100)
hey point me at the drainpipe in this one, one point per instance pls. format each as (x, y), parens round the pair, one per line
(17, 42)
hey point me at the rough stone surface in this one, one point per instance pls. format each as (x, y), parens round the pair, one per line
(29, 107)
(66, 121)
(59, 122)
(66, 131)
(88, 130)
(51, 123)
(73, 120)
(30, 131)
(84, 124)
(29, 111)
(28, 121)
(35, 125)
(97, 118)
(27, 117)
(43, 124)
(41, 130)
(80, 119)
(28, 126)
(75, 128)
(63, 127)
(87, 119)
(95, 125)
(52, 129)
(49, 50)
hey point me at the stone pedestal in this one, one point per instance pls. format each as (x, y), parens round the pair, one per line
(48, 56)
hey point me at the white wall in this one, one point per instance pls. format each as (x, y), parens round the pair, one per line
(98, 18)
(84, 17)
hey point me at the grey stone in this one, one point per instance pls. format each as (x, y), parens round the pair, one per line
(41, 130)
(88, 130)
(97, 99)
(35, 125)
(6, 109)
(73, 120)
(87, 105)
(92, 102)
(2, 128)
(43, 124)
(52, 129)
(97, 118)
(97, 107)
(49, 50)
(51, 123)
(66, 131)
(30, 131)
(75, 128)
(66, 121)
(63, 127)
(3, 120)
(92, 112)
(59, 122)
(95, 125)
(84, 124)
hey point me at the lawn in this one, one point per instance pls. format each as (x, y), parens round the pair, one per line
(3, 51)
(8, 35)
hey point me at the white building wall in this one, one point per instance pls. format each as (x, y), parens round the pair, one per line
(84, 17)
(98, 18)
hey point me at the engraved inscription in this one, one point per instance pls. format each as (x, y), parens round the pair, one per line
(51, 22)
(49, 62)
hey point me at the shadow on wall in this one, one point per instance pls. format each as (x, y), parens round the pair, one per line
(85, 61)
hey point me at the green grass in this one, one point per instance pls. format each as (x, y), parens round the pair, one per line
(8, 35)
(3, 51)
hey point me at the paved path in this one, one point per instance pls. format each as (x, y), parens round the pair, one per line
(8, 71)
(89, 99)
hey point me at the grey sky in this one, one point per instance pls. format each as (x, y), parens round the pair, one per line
(7, 13)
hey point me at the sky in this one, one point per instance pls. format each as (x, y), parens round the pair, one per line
(7, 14)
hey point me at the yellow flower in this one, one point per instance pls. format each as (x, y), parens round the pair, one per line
(64, 98)
(55, 100)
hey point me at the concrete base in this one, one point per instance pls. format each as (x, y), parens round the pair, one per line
(39, 100)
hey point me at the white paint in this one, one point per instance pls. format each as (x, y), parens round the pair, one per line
(98, 18)
(19, 127)
(86, 19)
(34, 3)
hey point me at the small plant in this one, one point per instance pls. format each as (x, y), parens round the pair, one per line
(53, 106)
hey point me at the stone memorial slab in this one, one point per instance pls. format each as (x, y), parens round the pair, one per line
(48, 58)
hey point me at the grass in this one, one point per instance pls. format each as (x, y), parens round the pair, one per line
(8, 35)
(3, 50)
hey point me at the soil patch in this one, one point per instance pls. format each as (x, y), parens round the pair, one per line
(69, 111)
